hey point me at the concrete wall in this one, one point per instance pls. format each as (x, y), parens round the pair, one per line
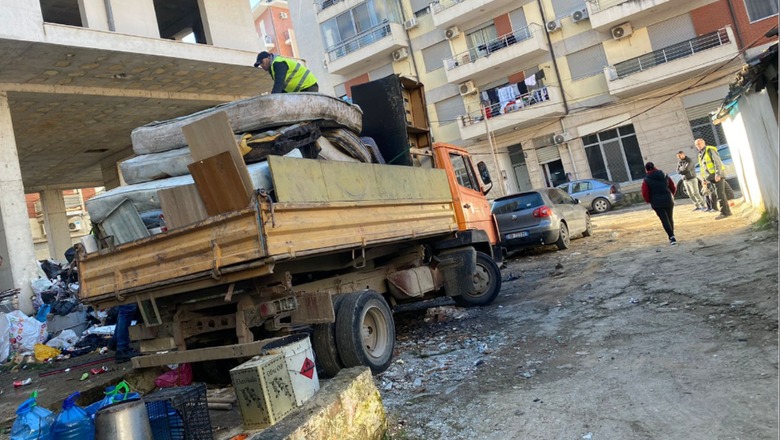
(21, 19)
(228, 23)
(752, 131)
(133, 18)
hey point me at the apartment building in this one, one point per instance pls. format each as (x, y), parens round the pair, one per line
(76, 77)
(558, 89)
(274, 27)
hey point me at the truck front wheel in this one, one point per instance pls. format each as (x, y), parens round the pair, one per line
(365, 331)
(487, 284)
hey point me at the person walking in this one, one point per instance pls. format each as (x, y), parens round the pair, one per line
(712, 169)
(658, 190)
(289, 75)
(687, 170)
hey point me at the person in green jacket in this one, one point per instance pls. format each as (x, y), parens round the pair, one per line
(712, 170)
(289, 75)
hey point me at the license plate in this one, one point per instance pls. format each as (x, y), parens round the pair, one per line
(517, 235)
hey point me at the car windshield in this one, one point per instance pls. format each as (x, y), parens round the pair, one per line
(517, 203)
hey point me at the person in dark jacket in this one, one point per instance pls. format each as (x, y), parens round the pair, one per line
(687, 169)
(658, 190)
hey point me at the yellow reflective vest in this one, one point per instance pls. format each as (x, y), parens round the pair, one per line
(298, 76)
(707, 165)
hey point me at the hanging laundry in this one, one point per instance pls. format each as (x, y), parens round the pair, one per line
(539, 75)
(530, 81)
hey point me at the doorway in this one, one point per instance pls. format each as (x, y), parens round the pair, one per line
(554, 174)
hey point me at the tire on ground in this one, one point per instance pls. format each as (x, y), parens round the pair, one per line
(365, 331)
(323, 342)
(600, 205)
(563, 238)
(487, 283)
(588, 227)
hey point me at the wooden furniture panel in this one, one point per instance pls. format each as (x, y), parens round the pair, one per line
(181, 206)
(219, 184)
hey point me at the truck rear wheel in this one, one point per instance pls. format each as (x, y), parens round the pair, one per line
(365, 331)
(487, 284)
(323, 342)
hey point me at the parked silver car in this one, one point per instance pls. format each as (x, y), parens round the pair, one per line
(540, 217)
(596, 194)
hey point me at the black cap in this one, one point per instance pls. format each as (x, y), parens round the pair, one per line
(261, 56)
(680, 152)
(649, 166)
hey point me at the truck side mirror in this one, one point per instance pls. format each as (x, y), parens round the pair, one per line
(484, 173)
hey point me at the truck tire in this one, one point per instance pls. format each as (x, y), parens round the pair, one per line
(365, 331)
(323, 341)
(487, 284)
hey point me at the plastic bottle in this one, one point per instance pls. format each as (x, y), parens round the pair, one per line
(112, 394)
(32, 422)
(72, 423)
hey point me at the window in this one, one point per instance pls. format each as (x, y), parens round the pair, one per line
(615, 155)
(704, 129)
(359, 19)
(760, 9)
(477, 40)
(556, 196)
(463, 171)
(582, 186)
(449, 110)
(434, 55)
(517, 203)
(587, 62)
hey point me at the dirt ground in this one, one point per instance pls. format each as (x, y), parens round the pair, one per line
(620, 337)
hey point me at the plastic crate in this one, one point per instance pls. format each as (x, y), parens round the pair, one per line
(179, 413)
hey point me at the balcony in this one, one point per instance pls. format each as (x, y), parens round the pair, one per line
(523, 112)
(327, 9)
(490, 61)
(448, 13)
(606, 14)
(366, 50)
(671, 64)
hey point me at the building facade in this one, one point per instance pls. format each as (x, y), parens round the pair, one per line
(77, 77)
(558, 89)
(274, 27)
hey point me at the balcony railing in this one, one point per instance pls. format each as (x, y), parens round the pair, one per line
(440, 5)
(359, 41)
(671, 53)
(484, 50)
(501, 108)
(600, 5)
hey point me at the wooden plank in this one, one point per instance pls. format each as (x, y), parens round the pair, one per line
(141, 332)
(298, 181)
(213, 135)
(201, 354)
(158, 344)
(181, 206)
(219, 184)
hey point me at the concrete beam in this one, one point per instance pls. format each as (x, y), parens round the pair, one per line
(346, 407)
(16, 247)
(94, 14)
(21, 19)
(118, 93)
(133, 18)
(229, 24)
(55, 219)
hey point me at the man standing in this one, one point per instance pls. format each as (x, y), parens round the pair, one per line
(658, 190)
(687, 170)
(711, 172)
(289, 75)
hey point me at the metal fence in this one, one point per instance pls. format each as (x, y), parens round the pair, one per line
(359, 41)
(671, 53)
(520, 103)
(484, 50)
(600, 5)
(324, 4)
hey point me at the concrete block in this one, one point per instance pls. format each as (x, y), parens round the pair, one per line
(347, 407)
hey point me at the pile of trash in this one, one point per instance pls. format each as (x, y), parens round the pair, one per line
(61, 327)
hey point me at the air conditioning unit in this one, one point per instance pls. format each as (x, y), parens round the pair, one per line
(562, 138)
(580, 15)
(553, 25)
(283, 15)
(622, 31)
(451, 32)
(75, 224)
(410, 23)
(268, 39)
(467, 88)
(400, 54)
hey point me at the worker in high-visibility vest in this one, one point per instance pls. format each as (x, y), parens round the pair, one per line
(712, 170)
(289, 75)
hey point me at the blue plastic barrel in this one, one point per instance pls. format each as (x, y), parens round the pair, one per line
(72, 423)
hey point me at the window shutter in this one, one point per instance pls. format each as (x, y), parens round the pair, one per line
(672, 31)
(701, 110)
(548, 154)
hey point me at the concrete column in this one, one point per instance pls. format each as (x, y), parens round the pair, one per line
(16, 243)
(111, 176)
(228, 24)
(56, 222)
(94, 14)
(133, 18)
(21, 19)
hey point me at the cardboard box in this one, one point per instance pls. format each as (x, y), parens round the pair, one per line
(264, 390)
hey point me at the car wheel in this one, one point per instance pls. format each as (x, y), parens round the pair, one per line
(563, 237)
(487, 284)
(681, 192)
(365, 331)
(588, 227)
(323, 341)
(601, 205)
